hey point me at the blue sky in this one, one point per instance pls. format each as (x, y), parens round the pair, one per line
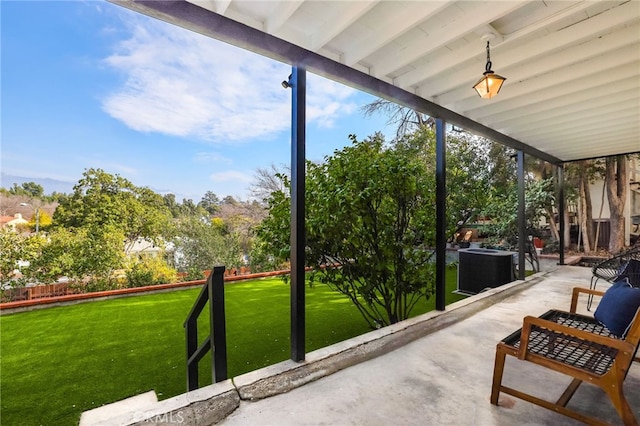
(88, 84)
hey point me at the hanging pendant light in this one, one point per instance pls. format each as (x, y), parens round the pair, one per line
(489, 85)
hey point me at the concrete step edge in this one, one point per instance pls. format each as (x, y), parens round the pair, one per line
(103, 415)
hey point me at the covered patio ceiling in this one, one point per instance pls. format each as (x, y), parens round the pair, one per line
(572, 67)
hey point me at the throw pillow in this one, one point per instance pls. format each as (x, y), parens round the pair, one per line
(631, 271)
(618, 306)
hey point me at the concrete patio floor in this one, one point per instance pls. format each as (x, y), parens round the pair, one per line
(445, 377)
(435, 369)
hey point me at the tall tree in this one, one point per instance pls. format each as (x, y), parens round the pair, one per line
(16, 251)
(266, 182)
(203, 245)
(171, 203)
(370, 223)
(83, 254)
(617, 184)
(210, 202)
(100, 199)
(406, 120)
(30, 189)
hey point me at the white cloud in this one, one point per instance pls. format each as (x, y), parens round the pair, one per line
(231, 176)
(181, 83)
(326, 100)
(211, 157)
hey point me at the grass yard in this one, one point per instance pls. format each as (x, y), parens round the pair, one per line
(58, 362)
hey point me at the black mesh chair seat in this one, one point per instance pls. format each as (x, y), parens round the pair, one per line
(577, 346)
(569, 350)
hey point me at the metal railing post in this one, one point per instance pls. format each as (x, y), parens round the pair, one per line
(218, 326)
(191, 330)
(216, 342)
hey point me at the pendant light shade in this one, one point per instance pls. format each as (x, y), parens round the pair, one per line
(489, 85)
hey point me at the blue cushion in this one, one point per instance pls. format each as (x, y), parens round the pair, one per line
(618, 306)
(631, 271)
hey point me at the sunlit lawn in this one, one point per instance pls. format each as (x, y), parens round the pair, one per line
(58, 362)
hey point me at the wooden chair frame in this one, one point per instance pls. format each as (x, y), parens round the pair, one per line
(609, 269)
(621, 353)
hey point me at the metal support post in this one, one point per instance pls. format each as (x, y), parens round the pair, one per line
(298, 83)
(441, 220)
(561, 207)
(522, 225)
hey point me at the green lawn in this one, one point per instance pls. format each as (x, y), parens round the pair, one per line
(58, 362)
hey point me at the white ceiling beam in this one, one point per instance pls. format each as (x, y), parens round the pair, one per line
(582, 127)
(476, 15)
(630, 84)
(618, 103)
(599, 146)
(595, 137)
(585, 30)
(558, 67)
(280, 13)
(398, 20)
(429, 70)
(217, 6)
(505, 57)
(579, 78)
(589, 147)
(335, 25)
(595, 150)
(612, 132)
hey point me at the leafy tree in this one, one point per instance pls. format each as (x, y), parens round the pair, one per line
(89, 253)
(29, 189)
(104, 200)
(370, 223)
(503, 209)
(468, 178)
(58, 196)
(43, 218)
(210, 202)
(201, 245)
(189, 208)
(229, 200)
(473, 162)
(33, 189)
(171, 204)
(16, 252)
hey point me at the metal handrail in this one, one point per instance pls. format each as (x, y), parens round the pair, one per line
(216, 341)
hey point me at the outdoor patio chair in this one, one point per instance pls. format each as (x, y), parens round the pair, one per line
(578, 346)
(622, 265)
(465, 242)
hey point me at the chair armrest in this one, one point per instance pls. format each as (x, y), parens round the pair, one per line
(529, 321)
(576, 293)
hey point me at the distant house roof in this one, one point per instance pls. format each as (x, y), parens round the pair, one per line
(12, 221)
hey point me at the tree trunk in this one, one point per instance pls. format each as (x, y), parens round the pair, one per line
(553, 226)
(597, 237)
(567, 229)
(582, 217)
(616, 181)
(586, 210)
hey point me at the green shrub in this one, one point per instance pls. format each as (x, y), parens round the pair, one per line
(98, 284)
(149, 271)
(194, 274)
